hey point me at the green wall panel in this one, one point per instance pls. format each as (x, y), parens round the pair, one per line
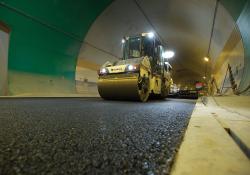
(46, 35)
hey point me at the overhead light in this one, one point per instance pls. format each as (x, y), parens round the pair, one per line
(204, 77)
(168, 54)
(151, 35)
(123, 41)
(206, 59)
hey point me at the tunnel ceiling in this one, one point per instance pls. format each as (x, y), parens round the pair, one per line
(185, 27)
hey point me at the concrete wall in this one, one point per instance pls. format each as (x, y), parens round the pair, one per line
(4, 49)
(32, 84)
(226, 48)
(234, 57)
(86, 76)
(86, 79)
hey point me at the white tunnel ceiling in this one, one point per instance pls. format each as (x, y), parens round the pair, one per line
(184, 25)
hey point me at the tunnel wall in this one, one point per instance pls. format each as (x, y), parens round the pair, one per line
(86, 77)
(44, 43)
(244, 27)
(236, 48)
(226, 48)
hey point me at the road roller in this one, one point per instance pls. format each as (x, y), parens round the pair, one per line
(140, 73)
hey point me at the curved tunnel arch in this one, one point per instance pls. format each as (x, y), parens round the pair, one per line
(44, 46)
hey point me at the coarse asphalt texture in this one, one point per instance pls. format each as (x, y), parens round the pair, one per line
(90, 135)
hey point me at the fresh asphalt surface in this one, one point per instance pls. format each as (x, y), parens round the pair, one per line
(90, 135)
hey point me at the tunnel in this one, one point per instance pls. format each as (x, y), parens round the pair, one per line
(51, 54)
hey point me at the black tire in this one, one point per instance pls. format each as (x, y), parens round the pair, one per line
(144, 88)
(164, 91)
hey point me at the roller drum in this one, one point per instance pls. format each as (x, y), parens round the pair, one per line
(119, 86)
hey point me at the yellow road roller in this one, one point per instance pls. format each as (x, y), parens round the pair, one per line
(140, 73)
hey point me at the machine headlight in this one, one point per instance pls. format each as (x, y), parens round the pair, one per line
(103, 71)
(132, 68)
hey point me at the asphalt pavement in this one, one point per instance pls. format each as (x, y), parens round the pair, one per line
(90, 135)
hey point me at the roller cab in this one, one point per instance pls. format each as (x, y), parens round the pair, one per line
(140, 73)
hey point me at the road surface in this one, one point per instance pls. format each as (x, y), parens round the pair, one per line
(90, 135)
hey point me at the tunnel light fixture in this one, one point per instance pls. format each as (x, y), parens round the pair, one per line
(206, 59)
(168, 54)
(151, 35)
